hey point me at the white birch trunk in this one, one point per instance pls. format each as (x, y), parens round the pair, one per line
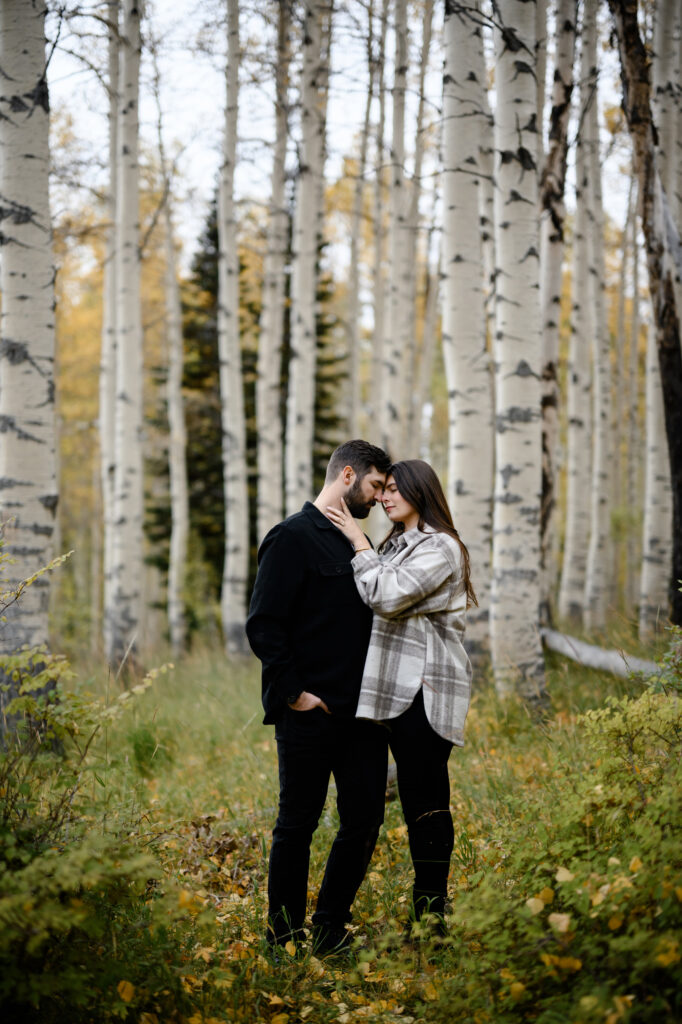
(27, 331)
(428, 349)
(301, 396)
(107, 372)
(517, 657)
(578, 402)
(378, 275)
(268, 383)
(598, 560)
(552, 221)
(541, 73)
(233, 603)
(413, 406)
(656, 533)
(177, 448)
(355, 229)
(125, 610)
(635, 456)
(467, 365)
(393, 384)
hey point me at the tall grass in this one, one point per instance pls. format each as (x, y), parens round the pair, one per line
(566, 882)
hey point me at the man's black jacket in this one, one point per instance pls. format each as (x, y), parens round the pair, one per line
(307, 623)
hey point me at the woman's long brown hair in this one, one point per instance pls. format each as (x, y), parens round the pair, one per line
(419, 485)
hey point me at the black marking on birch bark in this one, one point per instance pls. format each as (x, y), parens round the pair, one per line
(17, 105)
(507, 472)
(8, 481)
(39, 95)
(8, 424)
(515, 414)
(516, 197)
(523, 370)
(42, 530)
(50, 502)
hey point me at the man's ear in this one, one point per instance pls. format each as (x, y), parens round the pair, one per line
(348, 475)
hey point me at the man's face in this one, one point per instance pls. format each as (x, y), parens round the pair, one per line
(364, 492)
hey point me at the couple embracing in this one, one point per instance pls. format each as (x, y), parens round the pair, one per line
(361, 651)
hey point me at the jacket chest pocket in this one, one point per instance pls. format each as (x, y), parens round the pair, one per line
(338, 582)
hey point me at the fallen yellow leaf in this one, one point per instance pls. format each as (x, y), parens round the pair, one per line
(635, 865)
(516, 990)
(615, 921)
(290, 948)
(430, 991)
(535, 905)
(560, 922)
(547, 895)
(564, 875)
(126, 990)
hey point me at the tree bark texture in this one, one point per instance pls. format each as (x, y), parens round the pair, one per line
(656, 533)
(552, 221)
(517, 657)
(126, 593)
(617, 663)
(379, 254)
(397, 341)
(268, 383)
(301, 396)
(28, 481)
(664, 258)
(465, 352)
(598, 554)
(578, 457)
(233, 599)
(107, 369)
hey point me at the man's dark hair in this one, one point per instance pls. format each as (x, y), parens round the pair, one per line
(361, 455)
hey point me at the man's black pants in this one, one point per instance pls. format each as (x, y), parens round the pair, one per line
(313, 746)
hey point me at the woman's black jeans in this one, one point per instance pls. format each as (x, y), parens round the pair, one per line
(313, 746)
(421, 758)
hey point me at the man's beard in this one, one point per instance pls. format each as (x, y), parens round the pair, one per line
(358, 506)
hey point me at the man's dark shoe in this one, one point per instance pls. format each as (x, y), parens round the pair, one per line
(329, 941)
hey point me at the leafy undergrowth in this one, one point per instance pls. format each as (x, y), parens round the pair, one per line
(133, 863)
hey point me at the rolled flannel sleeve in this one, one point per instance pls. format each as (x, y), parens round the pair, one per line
(392, 590)
(275, 593)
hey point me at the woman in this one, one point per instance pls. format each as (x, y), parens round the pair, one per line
(417, 676)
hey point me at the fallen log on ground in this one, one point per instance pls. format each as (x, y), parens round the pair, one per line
(618, 663)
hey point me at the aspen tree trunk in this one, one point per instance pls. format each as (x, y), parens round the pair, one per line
(467, 365)
(107, 372)
(125, 611)
(235, 569)
(635, 453)
(268, 383)
(578, 455)
(665, 67)
(517, 657)
(656, 532)
(428, 349)
(393, 384)
(301, 396)
(356, 225)
(177, 448)
(413, 407)
(486, 210)
(619, 388)
(552, 220)
(541, 74)
(27, 333)
(664, 258)
(378, 277)
(598, 561)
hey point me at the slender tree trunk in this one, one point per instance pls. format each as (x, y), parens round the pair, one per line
(27, 330)
(412, 406)
(578, 461)
(177, 448)
(301, 397)
(356, 227)
(268, 384)
(552, 219)
(125, 609)
(635, 452)
(107, 373)
(378, 275)
(467, 365)
(428, 349)
(598, 561)
(233, 603)
(656, 548)
(393, 419)
(517, 656)
(541, 74)
(664, 258)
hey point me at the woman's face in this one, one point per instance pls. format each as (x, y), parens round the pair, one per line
(396, 508)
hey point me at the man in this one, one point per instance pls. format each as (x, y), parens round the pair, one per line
(311, 631)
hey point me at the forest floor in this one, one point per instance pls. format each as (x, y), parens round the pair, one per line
(566, 883)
